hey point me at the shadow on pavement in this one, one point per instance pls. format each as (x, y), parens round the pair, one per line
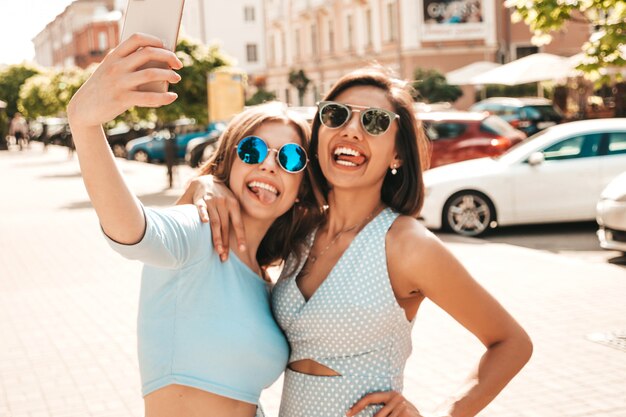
(61, 176)
(163, 198)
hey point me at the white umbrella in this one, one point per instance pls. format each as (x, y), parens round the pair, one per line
(530, 69)
(464, 75)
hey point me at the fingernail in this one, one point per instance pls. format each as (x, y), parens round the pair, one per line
(242, 247)
(223, 257)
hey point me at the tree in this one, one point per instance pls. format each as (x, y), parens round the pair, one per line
(192, 100)
(261, 94)
(606, 46)
(49, 93)
(11, 80)
(300, 81)
(432, 86)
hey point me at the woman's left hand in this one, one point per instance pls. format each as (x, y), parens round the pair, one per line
(395, 405)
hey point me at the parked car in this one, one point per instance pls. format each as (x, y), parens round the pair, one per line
(200, 149)
(52, 130)
(121, 134)
(529, 114)
(556, 175)
(459, 136)
(152, 148)
(611, 215)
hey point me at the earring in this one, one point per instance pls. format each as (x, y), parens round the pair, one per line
(394, 171)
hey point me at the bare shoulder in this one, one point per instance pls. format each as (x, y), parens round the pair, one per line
(409, 237)
(412, 247)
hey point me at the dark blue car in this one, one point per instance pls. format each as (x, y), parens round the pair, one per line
(152, 148)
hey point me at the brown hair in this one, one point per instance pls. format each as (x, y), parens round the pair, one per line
(404, 192)
(288, 232)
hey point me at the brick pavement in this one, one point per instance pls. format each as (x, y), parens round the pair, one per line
(68, 306)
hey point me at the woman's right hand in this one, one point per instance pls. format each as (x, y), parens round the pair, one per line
(113, 87)
(218, 206)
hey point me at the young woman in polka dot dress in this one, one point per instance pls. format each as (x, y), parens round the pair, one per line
(348, 309)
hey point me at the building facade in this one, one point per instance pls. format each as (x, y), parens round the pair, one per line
(327, 38)
(238, 26)
(81, 35)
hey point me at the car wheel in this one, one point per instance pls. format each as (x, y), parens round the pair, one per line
(141, 156)
(469, 213)
(119, 150)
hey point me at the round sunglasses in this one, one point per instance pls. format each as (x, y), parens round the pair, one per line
(291, 157)
(375, 121)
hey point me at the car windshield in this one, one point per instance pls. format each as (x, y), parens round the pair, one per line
(520, 149)
(444, 130)
(541, 112)
(497, 126)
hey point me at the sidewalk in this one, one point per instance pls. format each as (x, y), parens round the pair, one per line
(68, 307)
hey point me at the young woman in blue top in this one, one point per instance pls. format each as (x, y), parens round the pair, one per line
(349, 308)
(208, 343)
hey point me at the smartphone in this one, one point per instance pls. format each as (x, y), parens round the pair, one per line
(160, 18)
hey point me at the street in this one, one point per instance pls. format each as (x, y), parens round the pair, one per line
(68, 306)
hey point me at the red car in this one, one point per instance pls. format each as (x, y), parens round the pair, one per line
(458, 136)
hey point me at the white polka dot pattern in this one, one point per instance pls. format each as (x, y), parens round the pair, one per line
(352, 324)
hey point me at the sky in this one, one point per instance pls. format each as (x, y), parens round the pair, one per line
(20, 21)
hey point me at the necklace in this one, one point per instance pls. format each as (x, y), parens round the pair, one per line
(314, 258)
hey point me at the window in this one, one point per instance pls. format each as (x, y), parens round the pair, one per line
(582, 146)
(251, 52)
(272, 49)
(349, 32)
(392, 21)
(314, 40)
(445, 130)
(368, 25)
(248, 14)
(283, 46)
(617, 143)
(296, 43)
(331, 36)
(103, 41)
(522, 51)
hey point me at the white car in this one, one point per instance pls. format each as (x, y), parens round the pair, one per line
(611, 215)
(556, 175)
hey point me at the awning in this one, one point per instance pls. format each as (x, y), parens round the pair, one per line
(464, 75)
(531, 68)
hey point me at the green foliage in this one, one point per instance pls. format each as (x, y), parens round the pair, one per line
(261, 96)
(49, 93)
(192, 100)
(606, 46)
(498, 90)
(11, 80)
(300, 81)
(432, 86)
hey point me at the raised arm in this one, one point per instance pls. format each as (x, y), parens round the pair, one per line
(110, 91)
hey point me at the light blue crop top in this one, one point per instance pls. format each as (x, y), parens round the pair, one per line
(202, 323)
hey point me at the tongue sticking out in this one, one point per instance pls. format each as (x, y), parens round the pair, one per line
(356, 160)
(266, 197)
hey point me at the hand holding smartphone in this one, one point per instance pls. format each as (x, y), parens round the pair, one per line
(160, 18)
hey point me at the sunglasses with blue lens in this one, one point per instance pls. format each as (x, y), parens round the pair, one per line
(291, 157)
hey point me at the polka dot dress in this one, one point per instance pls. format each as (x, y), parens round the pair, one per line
(352, 324)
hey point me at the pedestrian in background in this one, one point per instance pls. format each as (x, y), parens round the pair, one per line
(19, 130)
(171, 157)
